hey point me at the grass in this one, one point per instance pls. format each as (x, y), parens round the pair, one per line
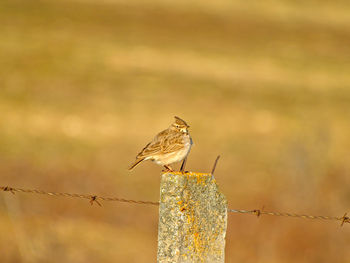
(84, 85)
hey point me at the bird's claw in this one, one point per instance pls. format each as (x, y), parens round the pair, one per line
(167, 169)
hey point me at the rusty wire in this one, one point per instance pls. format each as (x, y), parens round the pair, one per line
(91, 198)
(95, 199)
(258, 213)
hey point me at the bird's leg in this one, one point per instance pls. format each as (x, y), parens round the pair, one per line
(168, 169)
(183, 165)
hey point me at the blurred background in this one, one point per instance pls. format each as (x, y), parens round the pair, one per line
(84, 85)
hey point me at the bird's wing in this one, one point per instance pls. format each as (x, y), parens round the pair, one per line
(153, 147)
(172, 143)
(150, 149)
(164, 142)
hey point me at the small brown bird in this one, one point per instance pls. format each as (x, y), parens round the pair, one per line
(169, 146)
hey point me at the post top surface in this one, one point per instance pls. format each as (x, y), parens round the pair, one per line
(187, 173)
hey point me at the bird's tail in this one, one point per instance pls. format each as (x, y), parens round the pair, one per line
(136, 163)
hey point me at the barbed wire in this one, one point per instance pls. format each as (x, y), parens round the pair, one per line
(258, 213)
(95, 199)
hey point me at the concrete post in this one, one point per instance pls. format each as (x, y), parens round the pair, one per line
(192, 219)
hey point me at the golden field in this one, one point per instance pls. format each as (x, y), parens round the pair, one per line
(84, 85)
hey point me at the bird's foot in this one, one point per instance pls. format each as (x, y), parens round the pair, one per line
(167, 169)
(183, 165)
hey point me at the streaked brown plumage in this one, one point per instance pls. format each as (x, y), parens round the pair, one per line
(169, 146)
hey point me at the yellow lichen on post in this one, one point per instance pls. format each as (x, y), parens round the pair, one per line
(192, 219)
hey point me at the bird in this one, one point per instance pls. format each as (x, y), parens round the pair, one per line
(167, 147)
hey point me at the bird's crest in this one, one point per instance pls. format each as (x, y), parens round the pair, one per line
(180, 122)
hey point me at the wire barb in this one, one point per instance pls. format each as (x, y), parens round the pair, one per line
(94, 199)
(344, 219)
(258, 212)
(9, 189)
